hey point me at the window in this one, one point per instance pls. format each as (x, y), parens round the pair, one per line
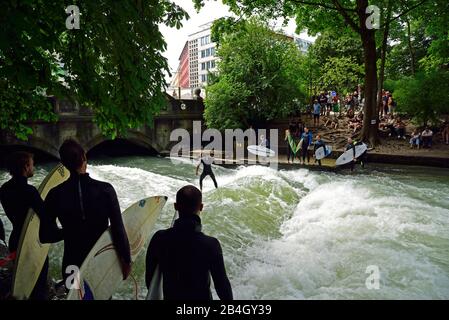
(212, 51)
(203, 66)
(205, 40)
(212, 64)
(204, 78)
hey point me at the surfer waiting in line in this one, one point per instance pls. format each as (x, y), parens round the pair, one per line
(187, 257)
(2, 232)
(307, 139)
(290, 146)
(85, 207)
(17, 197)
(207, 162)
(350, 146)
(319, 144)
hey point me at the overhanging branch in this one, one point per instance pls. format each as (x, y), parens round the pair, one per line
(322, 5)
(405, 12)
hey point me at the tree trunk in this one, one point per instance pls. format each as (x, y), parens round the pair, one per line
(370, 117)
(383, 58)
(410, 46)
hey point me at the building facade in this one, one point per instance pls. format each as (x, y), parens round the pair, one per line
(198, 59)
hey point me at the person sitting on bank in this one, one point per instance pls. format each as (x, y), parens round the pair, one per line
(85, 207)
(17, 198)
(318, 144)
(415, 140)
(390, 125)
(445, 134)
(400, 128)
(186, 256)
(427, 136)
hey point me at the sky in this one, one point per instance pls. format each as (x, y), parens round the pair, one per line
(212, 10)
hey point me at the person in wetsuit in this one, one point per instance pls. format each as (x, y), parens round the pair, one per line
(2, 232)
(187, 257)
(207, 170)
(306, 142)
(319, 144)
(84, 207)
(349, 146)
(17, 198)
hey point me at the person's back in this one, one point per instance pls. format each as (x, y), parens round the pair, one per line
(84, 207)
(187, 257)
(82, 222)
(17, 196)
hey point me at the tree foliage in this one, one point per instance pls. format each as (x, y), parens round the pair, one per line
(424, 97)
(113, 64)
(259, 76)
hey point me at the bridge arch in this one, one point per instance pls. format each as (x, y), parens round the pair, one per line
(133, 138)
(35, 145)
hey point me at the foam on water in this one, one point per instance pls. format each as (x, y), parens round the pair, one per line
(296, 234)
(336, 232)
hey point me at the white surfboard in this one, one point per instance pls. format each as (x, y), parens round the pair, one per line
(348, 155)
(101, 273)
(320, 154)
(31, 253)
(261, 151)
(155, 290)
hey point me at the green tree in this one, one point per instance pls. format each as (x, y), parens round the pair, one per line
(425, 96)
(319, 16)
(341, 74)
(260, 74)
(113, 64)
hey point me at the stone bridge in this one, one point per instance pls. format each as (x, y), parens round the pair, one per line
(75, 123)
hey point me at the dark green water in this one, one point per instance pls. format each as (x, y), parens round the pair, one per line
(297, 234)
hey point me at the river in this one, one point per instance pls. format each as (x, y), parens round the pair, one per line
(298, 234)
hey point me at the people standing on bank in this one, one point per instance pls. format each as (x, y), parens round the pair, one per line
(187, 257)
(17, 198)
(307, 139)
(288, 138)
(85, 208)
(207, 162)
(316, 113)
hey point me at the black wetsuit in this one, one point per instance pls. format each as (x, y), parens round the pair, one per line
(84, 207)
(351, 146)
(17, 197)
(187, 258)
(207, 171)
(2, 231)
(319, 144)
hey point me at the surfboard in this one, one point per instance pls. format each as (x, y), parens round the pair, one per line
(348, 155)
(155, 291)
(320, 154)
(101, 273)
(31, 253)
(291, 143)
(299, 146)
(261, 151)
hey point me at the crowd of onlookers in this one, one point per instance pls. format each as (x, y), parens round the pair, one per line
(336, 111)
